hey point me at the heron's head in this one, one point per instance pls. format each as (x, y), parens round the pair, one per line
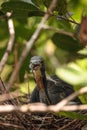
(37, 66)
(36, 63)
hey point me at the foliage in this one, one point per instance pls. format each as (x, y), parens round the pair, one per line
(57, 48)
(66, 43)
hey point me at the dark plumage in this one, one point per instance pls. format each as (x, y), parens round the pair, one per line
(48, 90)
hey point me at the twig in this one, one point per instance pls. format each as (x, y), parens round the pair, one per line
(10, 43)
(58, 31)
(65, 126)
(61, 104)
(16, 59)
(30, 43)
(40, 107)
(72, 21)
(2, 86)
(9, 96)
(42, 122)
(11, 125)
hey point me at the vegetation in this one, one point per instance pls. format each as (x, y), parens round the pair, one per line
(61, 41)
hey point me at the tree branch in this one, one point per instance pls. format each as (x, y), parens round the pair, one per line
(10, 43)
(40, 107)
(58, 30)
(61, 104)
(30, 43)
(10, 96)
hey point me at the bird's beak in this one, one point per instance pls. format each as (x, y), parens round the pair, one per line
(34, 66)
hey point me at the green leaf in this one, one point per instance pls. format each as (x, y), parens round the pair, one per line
(1, 14)
(66, 42)
(61, 6)
(3, 31)
(24, 86)
(74, 73)
(21, 9)
(24, 67)
(24, 32)
(83, 51)
(6, 72)
(38, 3)
(74, 115)
(65, 25)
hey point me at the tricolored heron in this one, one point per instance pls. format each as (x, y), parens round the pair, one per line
(48, 90)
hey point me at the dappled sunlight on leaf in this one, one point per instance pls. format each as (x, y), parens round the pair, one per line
(50, 47)
(74, 115)
(6, 72)
(41, 33)
(74, 73)
(24, 86)
(83, 51)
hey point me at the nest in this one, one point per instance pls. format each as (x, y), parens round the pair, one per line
(37, 121)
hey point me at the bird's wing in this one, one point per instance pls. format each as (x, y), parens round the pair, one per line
(64, 87)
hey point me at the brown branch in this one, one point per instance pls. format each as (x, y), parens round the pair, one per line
(40, 107)
(61, 104)
(9, 96)
(11, 125)
(69, 20)
(30, 43)
(10, 42)
(58, 30)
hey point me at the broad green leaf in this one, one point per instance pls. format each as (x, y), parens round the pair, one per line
(66, 42)
(27, 1)
(74, 3)
(25, 33)
(1, 14)
(25, 67)
(38, 3)
(83, 64)
(6, 72)
(74, 73)
(65, 25)
(24, 86)
(21, 9)
(4, 32)
(74, 115)
(83, 51)
(61, 6)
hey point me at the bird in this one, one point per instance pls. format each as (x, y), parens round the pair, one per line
(48, 90)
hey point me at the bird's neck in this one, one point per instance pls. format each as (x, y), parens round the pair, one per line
(46, 90)
(40, 79)
(44, 80)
